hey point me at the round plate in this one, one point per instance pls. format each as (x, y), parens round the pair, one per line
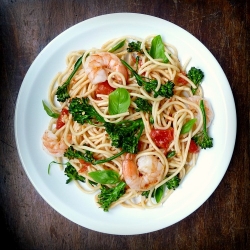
(31, 121)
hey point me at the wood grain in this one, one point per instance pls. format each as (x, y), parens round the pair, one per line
(222, 222)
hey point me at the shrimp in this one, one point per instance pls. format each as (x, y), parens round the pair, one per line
(208, 108)
(52, 145)
(148, 173)
(98, 65)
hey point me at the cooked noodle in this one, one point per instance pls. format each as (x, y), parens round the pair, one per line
(166, 113)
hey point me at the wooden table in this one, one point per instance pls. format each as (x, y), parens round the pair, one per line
(222, 222)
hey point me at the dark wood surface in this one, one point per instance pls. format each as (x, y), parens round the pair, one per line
(26, 27)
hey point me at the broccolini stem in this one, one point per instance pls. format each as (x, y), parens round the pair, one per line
(203, 116)
(110, 158)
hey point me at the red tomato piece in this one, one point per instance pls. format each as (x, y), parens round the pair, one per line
(181, 80)
(162, 138)
(60, 120)
(193, 147)
(104, 88)
(84, 166)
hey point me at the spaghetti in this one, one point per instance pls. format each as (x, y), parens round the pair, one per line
(101, 79)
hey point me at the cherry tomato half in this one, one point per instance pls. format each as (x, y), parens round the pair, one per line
(162, 138)
(60, 119)
(193, 147)
(104, 88)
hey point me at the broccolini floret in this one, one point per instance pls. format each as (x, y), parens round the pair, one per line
(202, 138)
(173, 183)
(71, 153)
(72, 174)
(135, 47)
(143, 105)
(125, 134)
(196, 76)
(62, 91)
(110, 195)
(83, 112)
(166, 90)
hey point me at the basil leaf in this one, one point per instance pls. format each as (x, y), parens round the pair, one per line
(117, 46)
(188, 126)
(159, 193)
(49, 111)
(119, 101)
(105, 176)
(157, 50)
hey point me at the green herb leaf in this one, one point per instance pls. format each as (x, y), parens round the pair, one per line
(117, 46)
(49, 111)
(105, 176)
(159, 193)
(157, 50)
(119, 101)
(188, 126)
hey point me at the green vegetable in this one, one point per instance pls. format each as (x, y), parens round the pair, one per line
(143, 105)
(105, 176)
(173, 183)
(49, 111)
(125, 134)
(72, 153)
(83, 112)
(119, 101)
(62, 91)
(188, 126)
(166, 90)
(135, 47)
(117, 46)
(110, 195)
(159, 193)
(202, 138)
(157, 50)
(196, 76)
(171, 154)
(71, 172)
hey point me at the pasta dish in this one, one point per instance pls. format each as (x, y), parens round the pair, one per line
(128, 121)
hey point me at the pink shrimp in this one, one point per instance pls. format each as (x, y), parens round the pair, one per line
(148, 173)
(208, 108)
(52, 145)
(97, 67)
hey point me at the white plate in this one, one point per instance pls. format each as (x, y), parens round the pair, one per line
(31, 121)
